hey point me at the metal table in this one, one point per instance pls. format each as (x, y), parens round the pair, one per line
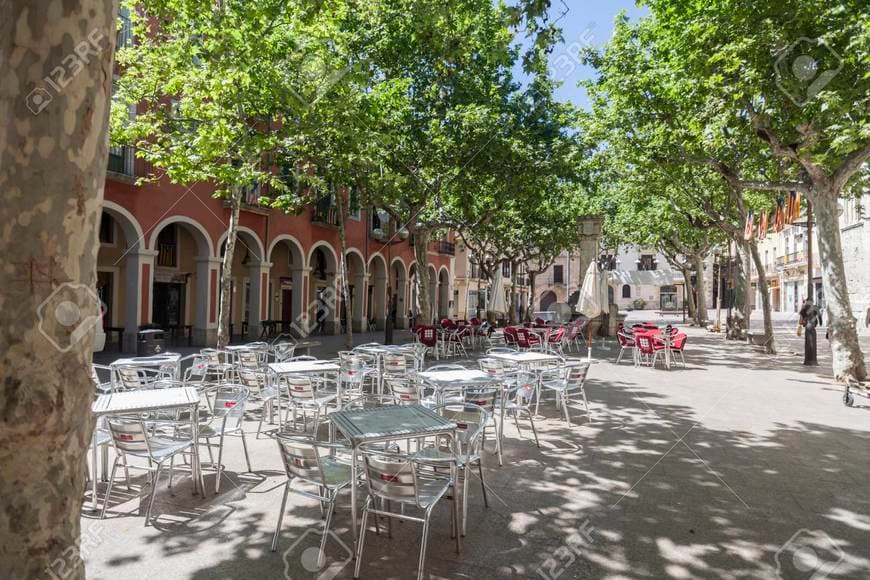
(302, 367)
(132, 402)
(172, 359)
(387, 424)
(378, 351)
(467, 378)
(525, 359)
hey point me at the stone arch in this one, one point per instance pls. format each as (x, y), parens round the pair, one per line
(286, 257)
(443, 293)
(376, 297)
(356, 280)
(196, 229)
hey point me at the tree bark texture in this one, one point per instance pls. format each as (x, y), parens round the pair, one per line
(700, 290)
(342, 272)
(421, 253)
(765, 298)
(223, 338)
(690, 296)
(56, 71)
(848, 360)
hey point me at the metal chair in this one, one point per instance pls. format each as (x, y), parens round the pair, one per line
(487, 397)
(217, 367)
(626, 342)
(397, 478)
(305, 395)
(570, 383)
(225, 418)
(283, 351)
(516, 399)
(471, 421)
(260, 389)
(312, 462)
(131, 437)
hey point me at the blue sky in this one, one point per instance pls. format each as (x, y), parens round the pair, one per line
(583, 22)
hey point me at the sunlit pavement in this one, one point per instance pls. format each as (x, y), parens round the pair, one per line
(738, 466)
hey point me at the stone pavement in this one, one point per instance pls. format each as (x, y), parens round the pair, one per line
(724, 469)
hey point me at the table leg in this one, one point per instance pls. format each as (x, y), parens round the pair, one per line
(196, 467)
(353, 515)
(94, 477)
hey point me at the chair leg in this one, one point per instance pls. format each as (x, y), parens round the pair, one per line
(565, 408)
(321, 558)
(217, 481)
(586, 404)
(424, 543)
(280, 516)
(482, 483)
(362, 536)
(171, 465)
(153, 493)
(126, 472)
(245, 447)
(109, 488)
(464, 497)
(534, 431)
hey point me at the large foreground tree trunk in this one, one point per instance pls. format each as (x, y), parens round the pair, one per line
(421, 253)
(53, 152)
(700, 289)
(530, 307)
(765, 298)
(848, 360)
(223, 337)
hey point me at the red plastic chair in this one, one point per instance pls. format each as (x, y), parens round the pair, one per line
(527, 339)
(646, 351)
(626, 342)
(556, 340)
(428, 337)
(510, 336)
(679, 346)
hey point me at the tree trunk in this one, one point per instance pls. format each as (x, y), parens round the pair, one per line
(421, 253)
(533, 277)
(700, 289)
(223, 337)
(53, 153)
(848, 360)
(765, 297)
(689, 294)
(739, 300)
(512, 315)
(342, 272)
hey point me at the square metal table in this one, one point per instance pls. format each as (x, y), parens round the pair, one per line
(524, 359)
(150, 362)
(301, 367)
(386, 424)
(378, 351)
(132, 402)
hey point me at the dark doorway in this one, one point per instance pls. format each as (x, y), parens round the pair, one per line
(105, 287)
(286, 304)
(168, 306)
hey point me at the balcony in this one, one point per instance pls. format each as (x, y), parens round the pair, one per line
(445, 248)
(121, 162)
(325, 212)
(166, 255)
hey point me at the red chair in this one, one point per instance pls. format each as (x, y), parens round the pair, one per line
(510, 336)
(475, 321)
(556, 340)
(679, 346)
(646, 350)
(447, 323)
(540, 322)
(526, 339)
(626, 342)
(428, 337)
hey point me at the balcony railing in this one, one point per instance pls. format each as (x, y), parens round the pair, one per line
(121, 160)
(166, 254)
(325, 212)
(445, 248)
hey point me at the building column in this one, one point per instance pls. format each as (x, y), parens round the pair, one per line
(206, 314)
(138, 292)
(258, 307)
(358, 312)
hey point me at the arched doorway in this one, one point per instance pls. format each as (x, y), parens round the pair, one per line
(443, 293)
(250, 286)
(286, 285)
(123, 274)
(376, 296)
(356, 281)
(181, 292)
(548, 298)
(398, 288)
(322, 292)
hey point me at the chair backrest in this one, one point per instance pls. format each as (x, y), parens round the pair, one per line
(284, 351)
(523, 340)
(557, 335)
(390, 476)
(510, 335)
(575, 376)
(644, 343)
(211, 355)
(301, 458)
(447, 323)
(250, 359)
(131, 377)
(501, 349)
(680, 341)
(624, 339)
(428, 336)
(372, 401)
(303, 357)
(405, 391)
(484, 397)
(254, 381)
(128, 435)
(352, 368)
(470, 421)
(396, 363)
(446, 367)
(299, 387)
(492, 367)
(229, 403)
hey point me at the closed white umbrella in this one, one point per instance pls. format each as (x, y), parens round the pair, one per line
(498, 304)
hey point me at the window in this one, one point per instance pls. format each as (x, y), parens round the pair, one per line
(626, 291)
(647, 262)
(107, 229)
(558, 277)
(506, 269)
(353, 204)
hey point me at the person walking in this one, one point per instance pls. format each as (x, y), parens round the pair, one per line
(810, 319)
